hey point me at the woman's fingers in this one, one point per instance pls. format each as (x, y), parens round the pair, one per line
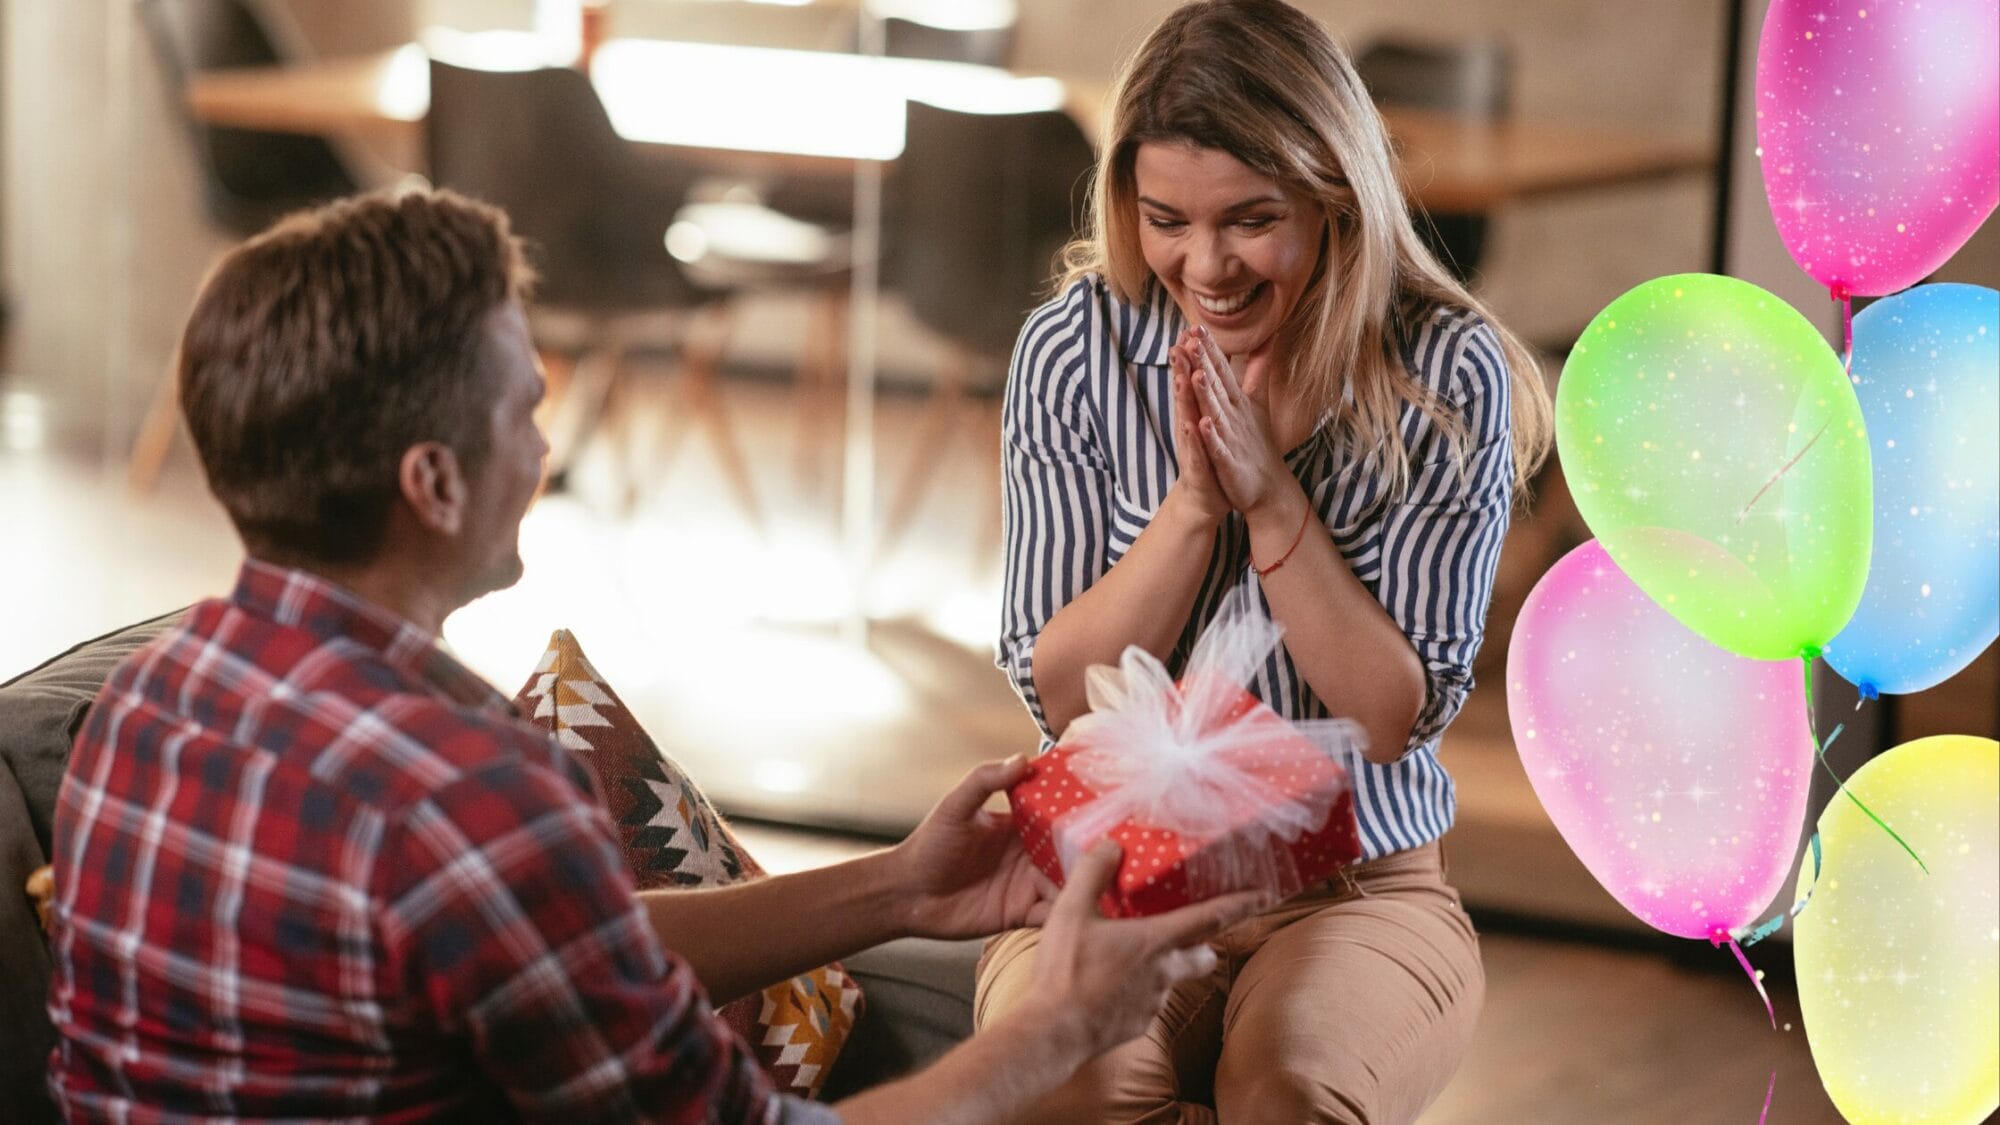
(1216, 406)
(1194, 457)
(1215, 448)
(1219, 364)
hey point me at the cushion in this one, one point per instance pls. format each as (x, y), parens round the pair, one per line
(40, 712)
(26, 1036)
(672, 837)
(919, 1007)
(42, 709)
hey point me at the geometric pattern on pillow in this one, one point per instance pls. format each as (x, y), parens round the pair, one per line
(672, 836)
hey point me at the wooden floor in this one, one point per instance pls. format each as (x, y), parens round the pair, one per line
(1575, 1032)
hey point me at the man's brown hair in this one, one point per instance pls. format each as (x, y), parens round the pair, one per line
(321, 350)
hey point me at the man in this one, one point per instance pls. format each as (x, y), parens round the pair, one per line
(309, 866)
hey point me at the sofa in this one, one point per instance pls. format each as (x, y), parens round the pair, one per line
(918, 992)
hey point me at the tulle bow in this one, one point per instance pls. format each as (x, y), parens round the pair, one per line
(1184, 757)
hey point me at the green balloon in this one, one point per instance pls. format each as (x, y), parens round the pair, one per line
(1715, 447)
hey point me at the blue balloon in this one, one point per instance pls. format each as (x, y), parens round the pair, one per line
(1927, 371)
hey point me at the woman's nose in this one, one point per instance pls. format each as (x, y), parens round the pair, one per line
(1209, 258)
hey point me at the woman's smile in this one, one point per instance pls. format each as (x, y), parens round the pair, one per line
(1229, 306)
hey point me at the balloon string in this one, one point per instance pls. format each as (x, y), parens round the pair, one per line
(1748, 936)
(1819, 751)
(1717, 939)
(1768, 1091)
(1846, 330)
(1782, 470)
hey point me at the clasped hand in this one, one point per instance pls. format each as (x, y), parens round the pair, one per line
(1222, 428)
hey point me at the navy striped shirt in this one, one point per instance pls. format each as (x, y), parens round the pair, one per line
(1089, 455)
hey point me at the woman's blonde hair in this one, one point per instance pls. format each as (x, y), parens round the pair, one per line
(1265, 83)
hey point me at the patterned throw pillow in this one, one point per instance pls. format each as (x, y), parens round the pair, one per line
(672, 837)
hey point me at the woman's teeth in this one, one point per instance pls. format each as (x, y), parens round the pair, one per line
(1228, 305)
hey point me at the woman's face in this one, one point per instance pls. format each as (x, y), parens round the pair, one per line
(1234, 248)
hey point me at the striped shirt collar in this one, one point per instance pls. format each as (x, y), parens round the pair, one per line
(303, 600)
(1147, 330)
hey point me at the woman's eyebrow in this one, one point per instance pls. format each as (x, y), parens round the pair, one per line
(1241, 205)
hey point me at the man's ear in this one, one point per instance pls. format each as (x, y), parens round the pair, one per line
(433, 486)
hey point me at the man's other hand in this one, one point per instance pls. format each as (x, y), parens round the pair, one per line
(965, 870)
(1104, 979)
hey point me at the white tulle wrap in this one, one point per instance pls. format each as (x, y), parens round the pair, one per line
(1174, 757)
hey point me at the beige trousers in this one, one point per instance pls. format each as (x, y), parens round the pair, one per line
(1352, 1002)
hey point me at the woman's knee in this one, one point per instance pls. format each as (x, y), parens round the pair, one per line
(1005, 975)
(1106, 1090)
(1284, 1093)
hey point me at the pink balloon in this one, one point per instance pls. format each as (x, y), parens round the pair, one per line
(1878, 122)
(1677, 771)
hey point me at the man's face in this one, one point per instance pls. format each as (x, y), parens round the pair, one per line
(502, 487)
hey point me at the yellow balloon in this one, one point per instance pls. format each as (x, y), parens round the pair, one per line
(1899, 971)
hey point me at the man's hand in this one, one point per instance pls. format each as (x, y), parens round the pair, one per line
(1105, 979)
(1098, 983)
(964, 867)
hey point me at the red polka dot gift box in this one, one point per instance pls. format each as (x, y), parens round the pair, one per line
(1207, 790)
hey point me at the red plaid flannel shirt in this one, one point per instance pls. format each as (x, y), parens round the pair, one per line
(310, 866)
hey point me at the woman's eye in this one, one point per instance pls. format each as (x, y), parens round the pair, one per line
(1158, 223)
(1258, 223)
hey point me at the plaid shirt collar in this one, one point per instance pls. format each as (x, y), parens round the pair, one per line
(304, 600)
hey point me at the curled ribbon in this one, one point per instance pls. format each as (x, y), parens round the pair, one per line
(1181, 757)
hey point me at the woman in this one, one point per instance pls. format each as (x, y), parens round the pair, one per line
(1254, 372)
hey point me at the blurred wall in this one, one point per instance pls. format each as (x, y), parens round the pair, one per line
(105, 237)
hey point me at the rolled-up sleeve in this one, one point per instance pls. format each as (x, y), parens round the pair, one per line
(1055, 500)
(1441, 544)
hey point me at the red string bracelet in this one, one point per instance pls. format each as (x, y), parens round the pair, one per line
(1300, 537)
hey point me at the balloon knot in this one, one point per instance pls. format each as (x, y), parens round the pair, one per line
(1868, 690)
(1809, 652)
(1719, 936)
(1841, 292)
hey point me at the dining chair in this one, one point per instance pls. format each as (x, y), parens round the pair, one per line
(982, 206)
(249, 178)
(827, 199)
(905, 38)
(1471, 78)
(595, 210)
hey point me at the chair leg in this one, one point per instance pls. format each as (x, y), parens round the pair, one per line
(156, 436)
(818, 401)
(933, 443)
(589, 387)
(649, 426)
(701, 360)
(558, 370)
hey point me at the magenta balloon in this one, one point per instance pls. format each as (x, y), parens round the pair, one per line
(1676, 770)
(1878, 123)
